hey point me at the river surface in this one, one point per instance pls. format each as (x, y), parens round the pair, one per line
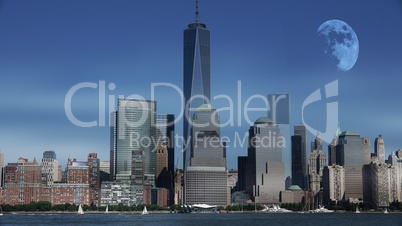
(233, 219)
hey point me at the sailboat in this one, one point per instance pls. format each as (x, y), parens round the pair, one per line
(357, 210)
(107, 210)
(144, 211)
(80, 211)
(386, 210)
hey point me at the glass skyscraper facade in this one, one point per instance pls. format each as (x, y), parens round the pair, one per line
(196, 76)
(133, 130)
(265, 175)
(350, 153)
(299, 162)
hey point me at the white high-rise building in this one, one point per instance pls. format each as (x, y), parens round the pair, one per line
(333, 182)
(50, 167)
(381, 184)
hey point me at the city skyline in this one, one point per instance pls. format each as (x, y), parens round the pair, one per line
(133, 45)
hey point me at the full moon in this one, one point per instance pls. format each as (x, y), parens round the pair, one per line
(340, 43)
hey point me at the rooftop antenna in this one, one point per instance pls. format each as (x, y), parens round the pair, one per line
(196, 11)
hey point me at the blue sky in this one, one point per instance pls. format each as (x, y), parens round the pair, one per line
(47, 47)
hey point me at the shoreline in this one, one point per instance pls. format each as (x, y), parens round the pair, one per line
(168, 212)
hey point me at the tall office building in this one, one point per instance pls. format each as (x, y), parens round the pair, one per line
(279, 110)
(208, 149)
(299, 155)
(94, 170)
(265, 171)
(165, 154)
(161, 164)
(333, 183)
(137, 168)
(133, 129)
(50, 167)
(366, 150)
(381, 184)
(317, 162)
(205, 179)
(196, 77)
(332, 147)
(113, 146)
(93, 163)
(297, 162)
(350, 153)
(379, 149)
(241, 167)
(317, 159)
(165, 135)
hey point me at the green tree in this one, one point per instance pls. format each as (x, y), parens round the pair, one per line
(43, 206)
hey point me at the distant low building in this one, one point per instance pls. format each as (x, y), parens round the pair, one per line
(294, 194)
(1, 196)
(156, 196)
(71, 193)
(121, 192)
(206, 185)
(22, 182)
(78, 172)
(178, 193)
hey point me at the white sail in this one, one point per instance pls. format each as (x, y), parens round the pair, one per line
(80, 211)
(107, 210)
(357, 210)
(144, 211)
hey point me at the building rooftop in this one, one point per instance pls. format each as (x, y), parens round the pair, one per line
(263, 120)
(206, 168)
(338, 130)
(295, 188)
(205, 107)
(349, 133)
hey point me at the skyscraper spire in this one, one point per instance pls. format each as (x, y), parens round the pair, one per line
(196, 11)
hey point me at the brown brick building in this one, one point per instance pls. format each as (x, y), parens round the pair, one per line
(22, 183)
